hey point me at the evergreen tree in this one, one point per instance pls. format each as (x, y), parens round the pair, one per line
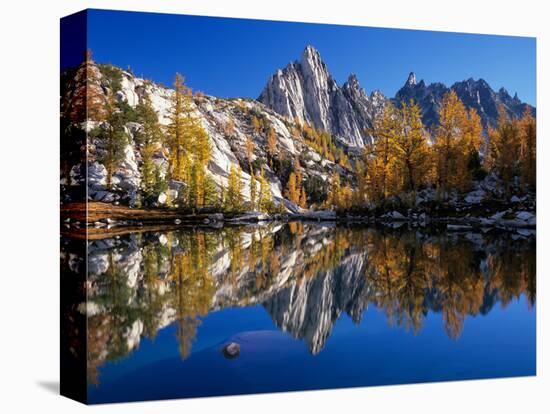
(148, 140)
(115, 139)
(160, 186)
(298, 170)
(89, 102)
(253, 191)
(211, 196)
(265, 200)
(451, 144)
(473, 135)
(410, 148)
(189, 145)
(379, 157)
(256, 124)
(249, 151)
(271, 144)
(504, 148)
(333, 199)
(303, 198)
(201, 156)
(292, 192)
(234, 198)
(528, 143)
(181, 130)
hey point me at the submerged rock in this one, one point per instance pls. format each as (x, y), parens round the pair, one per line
(231, 350)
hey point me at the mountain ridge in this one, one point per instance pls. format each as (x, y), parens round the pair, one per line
(306, 90)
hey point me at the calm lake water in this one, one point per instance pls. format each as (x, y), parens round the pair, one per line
(312, 306)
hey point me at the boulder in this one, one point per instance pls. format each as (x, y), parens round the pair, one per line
(231, 350)
(251, 216)
(320, 215)
(526, 217)
(162, 198)
(475, 197)
(395, 215)
(498, 216)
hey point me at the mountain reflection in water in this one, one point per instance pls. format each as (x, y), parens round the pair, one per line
(304, 275)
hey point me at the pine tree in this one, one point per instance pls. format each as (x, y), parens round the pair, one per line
(265, 200)
(88, 102)
(504, 148)
(115, 139)
(249, 151)
(160, 186)
(189, 145)
(292, 192)
(379, 156)
(345, 198)
(256, 124)
(233, 198)
(333, 199)
(303, 198)
(473, 136)
(180, 129)
(450, 144)
(211, 196)
(201, 156)
(360, 195)
(298, 170)
(410, 148)
(528, 143)
(271, 143)
(148, 140)
(253, 191)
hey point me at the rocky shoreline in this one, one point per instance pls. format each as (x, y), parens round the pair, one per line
(96, 220)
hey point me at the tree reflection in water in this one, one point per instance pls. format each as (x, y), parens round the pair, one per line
(304, 275)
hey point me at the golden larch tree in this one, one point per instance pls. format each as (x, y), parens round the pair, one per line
(450, 144)
(504, 148)
(528, 143)
(292, 191)
(409, 148)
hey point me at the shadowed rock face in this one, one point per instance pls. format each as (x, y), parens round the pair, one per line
(305, 90)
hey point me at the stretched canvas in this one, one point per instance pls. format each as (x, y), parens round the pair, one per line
(261, 206)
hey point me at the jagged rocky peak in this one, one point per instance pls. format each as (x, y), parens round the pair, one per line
(476, 94)
(228, 123)
(312, 58)
(306, 90)
(411, 80)
(352, 82)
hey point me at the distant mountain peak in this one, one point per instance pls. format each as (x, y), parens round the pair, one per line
(411, 79)
(307, 91)
(311, 57)
(310, 51)
(352, 83)
(473, 93)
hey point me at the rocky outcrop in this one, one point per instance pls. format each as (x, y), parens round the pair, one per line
(306, 91)
(228, 123)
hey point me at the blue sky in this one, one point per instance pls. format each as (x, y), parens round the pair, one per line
(236, 57)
